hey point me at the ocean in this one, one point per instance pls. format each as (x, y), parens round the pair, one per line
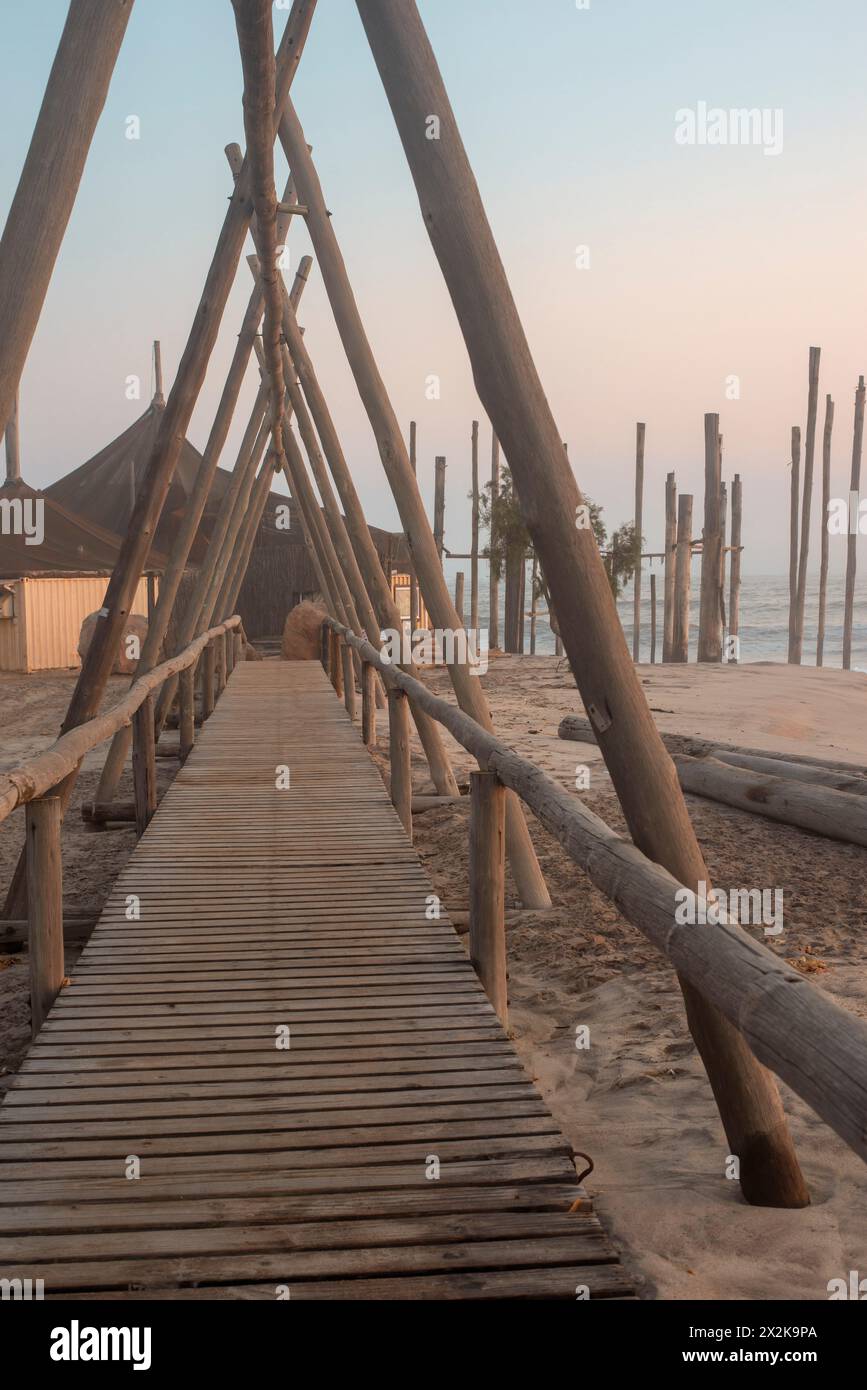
(764, 616)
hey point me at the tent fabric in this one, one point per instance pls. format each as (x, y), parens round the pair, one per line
(72, 545)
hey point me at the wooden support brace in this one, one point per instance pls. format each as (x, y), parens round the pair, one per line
(44, 905)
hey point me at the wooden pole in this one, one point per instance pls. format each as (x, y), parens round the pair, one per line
(794, 504)
(187, 688)
(13, 445)
(144, 762)
(349, 682)
(670, 565)
(512, 394)
(494, 601)
(852, 539)
(439, 505)
(735, 572)
(159, 398)
(325, 647)
(368, 704)
(639, 522)
(392, 450)
(709, 626)
(807, 502)
(459, 596)
(336, 665)
(208, 682)
(399, 757)
(413, 582)
(74, 98)
(682, 577)
(487, 888)
(826, 500)
(474, 542)
(652, 618)
(723, 526)
(43, 819)
(534, 604)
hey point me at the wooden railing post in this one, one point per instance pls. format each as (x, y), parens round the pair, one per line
(368, 704)
(335, 663)
(325, 647)
(487, 887)
(187, 702)
(219, 665)
(229, 640)
(44, 905)
(144, 764)
(348, 681)
(399, 756)
(208, 670)
(238, 640)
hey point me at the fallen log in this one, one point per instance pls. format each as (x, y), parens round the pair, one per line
(578, 728)
(836, 815)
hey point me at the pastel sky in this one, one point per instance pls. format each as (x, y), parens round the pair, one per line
(705, 262)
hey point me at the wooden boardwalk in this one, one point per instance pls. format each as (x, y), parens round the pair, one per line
(271, 916)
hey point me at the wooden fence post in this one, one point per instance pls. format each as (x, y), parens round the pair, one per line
(325, 648)
(823, 553)
(144, 764)
(229, 640)
(683, 571)
(852, 541)
(399, 755)
(794, 503)
(348, 681)
(44, 905)
(487, 888)
(735, 572)
(710, 624)
(652, 619)
(239, 647)
(187, 702)
(639, 522)
(670, 565)
(439, 526)
(459, 596)
(208, 673)
(368, 704)
(807, 501)
(336, 663)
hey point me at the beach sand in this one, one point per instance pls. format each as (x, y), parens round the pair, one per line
(637, 1100)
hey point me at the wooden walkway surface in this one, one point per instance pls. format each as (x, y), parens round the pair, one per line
(269, 1170)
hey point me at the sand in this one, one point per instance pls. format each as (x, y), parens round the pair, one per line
(637, 1101)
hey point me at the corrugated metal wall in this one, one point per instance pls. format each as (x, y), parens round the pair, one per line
(12, 636)
(49, 617)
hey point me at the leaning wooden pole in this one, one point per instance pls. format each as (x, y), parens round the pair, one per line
(709, 624)
(392, 449)
(670, 565)
(639, 523)
(823, 534)
(13, 445)
(794, 506)
(74, 97)
(852, 539)
(510, 389)
(806, 503)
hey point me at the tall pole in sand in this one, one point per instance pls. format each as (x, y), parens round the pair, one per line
(639, 523)
(670, 565)
(852, 539)
(823, 541)
(683, 574)
(735, 572)
(413, 582)
(807, 503)
(474, 542)
(794, 506)
(494, 588)
(512, 394)
(709, 621)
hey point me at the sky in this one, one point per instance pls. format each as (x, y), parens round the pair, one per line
(707, 262)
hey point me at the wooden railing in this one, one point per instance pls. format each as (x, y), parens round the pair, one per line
(795, 1029)
(29, 785)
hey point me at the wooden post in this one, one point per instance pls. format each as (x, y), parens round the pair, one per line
(325, 647)
(239, 647)
(528, 877)
(682, 577)
(670, 565)
(348, 681)
(710, 626)
(144, 761)
(494, 601)
(852, 539)
(413, 582)
(513, 624)
(368, 704)
(723, 525)
(639, 522)
(208, 671)
(794, 504)
(826, 499)
(219, 666)
(534, 603)
(735, 572)
(43, 819)
(336, 663)
(459, 596)
(13, 445)
(439, 527)
(474, 541)
(652, 618)
(487, 888)
(807, 502)
(230, 653)
(74, 97)
(187, 702)
(399, 756)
